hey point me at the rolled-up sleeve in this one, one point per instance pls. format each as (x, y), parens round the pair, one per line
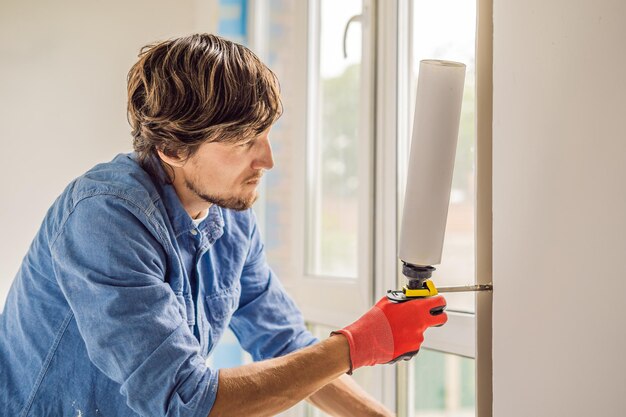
(111, 268)
(267, 323)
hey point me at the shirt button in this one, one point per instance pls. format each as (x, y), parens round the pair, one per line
(194, 232)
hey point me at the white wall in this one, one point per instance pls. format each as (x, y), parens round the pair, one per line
(559, 207)
(63, 67)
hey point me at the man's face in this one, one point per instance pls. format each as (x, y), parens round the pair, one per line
(228, 174)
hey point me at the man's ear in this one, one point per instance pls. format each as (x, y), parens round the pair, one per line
(171, 160)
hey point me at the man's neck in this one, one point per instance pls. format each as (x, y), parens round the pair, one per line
(200, 215)
(193, 205)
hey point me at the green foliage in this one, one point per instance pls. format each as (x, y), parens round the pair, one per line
(339, 129)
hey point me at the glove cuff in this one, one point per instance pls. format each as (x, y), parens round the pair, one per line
(370, 340)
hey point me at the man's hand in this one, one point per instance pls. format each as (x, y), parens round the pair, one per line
(392, 331)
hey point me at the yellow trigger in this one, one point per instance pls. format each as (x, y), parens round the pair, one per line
(428, 290)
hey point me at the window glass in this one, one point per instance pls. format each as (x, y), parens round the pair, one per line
(442, 385)
(332, 150)
(445, 29)
(228, 353)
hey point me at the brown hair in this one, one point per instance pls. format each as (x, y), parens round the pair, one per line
(186, 91)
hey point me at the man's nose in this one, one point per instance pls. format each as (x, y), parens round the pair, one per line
(264, 158)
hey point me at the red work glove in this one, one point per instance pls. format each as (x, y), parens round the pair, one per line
(392, 331)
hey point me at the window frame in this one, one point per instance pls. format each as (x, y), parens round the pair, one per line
(334, 301)
(484, 205)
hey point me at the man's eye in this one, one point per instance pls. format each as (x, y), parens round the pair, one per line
(247, 144)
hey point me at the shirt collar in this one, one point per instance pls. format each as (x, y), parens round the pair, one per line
(214, 223)
(179, 218)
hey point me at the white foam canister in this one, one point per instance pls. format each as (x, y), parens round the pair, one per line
(431, 163)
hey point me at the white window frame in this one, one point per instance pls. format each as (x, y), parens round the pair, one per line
(335, 301)
(484, 204)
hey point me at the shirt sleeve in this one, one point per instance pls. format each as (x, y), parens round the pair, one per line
(267, 322)
(111, 269)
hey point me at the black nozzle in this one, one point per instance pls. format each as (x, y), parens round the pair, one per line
(416, 274)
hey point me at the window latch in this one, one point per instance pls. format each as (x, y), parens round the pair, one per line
(356, 18)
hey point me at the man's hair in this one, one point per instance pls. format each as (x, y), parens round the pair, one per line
(186, 91)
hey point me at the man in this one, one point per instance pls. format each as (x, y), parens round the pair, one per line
(142, 262)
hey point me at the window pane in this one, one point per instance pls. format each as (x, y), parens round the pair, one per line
(445, 29)
(332, 174)
(228, 353)
(443, 385)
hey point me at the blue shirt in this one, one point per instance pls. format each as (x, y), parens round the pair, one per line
(121, 298)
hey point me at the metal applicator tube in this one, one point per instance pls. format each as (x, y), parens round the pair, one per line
(431, 165)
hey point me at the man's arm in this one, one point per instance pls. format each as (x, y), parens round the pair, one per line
(345, 398)
(269, 387)
(386, 333)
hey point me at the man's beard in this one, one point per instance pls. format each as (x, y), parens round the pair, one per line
(235, 203)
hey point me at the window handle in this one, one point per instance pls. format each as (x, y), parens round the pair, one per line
(356, 18)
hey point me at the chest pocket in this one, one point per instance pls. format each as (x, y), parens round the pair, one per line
(219, 309)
